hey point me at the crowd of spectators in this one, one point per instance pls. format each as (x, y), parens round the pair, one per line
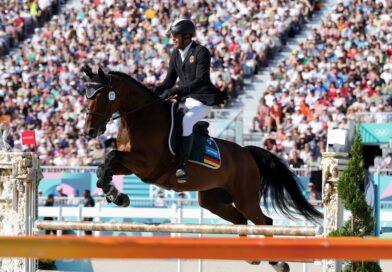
(41, 84)
(18, 19)
(384, 162)
(344, 67)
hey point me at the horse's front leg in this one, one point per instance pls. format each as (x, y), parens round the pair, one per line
(110, 167)
(105, 172)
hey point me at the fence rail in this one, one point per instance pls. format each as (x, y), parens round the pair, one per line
(138, 202)
(180, 228)
(92, 169)
(172, 213)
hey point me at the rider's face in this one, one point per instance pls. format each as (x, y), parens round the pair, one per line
(180, 41)
(177, 40)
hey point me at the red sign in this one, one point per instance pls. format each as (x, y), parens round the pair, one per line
(28, 137)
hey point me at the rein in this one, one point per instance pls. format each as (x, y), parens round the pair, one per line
(139, 108)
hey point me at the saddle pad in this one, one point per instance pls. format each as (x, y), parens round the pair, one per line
(205, 150)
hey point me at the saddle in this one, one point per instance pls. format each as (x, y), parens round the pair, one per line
(205, 150)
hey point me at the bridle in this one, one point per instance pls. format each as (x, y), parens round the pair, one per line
(112, 95)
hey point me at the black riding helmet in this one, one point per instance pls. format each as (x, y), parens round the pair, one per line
(183, 27)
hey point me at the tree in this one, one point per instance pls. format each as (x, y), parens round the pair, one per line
(353, 199)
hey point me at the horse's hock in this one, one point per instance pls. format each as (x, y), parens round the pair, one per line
(19, 177)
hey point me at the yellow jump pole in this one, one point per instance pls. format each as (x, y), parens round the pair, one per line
(71, 247)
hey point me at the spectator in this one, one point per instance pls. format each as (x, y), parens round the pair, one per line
(288, 143)
(182, 199)
(275, 113)
(294, 160)
(49, 203)
(262, 117)
(311, 193)
(88, 202)
(59, 192)
(159, 199)
(270, 143)
(97, 153)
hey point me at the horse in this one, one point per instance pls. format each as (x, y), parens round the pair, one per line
(233, 191)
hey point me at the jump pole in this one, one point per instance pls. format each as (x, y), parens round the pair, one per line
(179, 228)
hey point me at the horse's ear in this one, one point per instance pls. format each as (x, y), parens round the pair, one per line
(88, 71)
(102, 74)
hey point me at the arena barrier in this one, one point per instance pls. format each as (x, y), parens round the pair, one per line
(71, 247)
(180, 228)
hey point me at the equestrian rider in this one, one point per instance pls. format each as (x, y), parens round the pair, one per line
(190, 62)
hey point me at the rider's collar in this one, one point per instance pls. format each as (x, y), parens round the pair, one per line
(185, 51)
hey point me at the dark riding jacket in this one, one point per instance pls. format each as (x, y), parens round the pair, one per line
(194, 74)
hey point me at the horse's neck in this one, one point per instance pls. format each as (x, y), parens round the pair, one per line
(134, 101)
(150, 122)
(145, 123)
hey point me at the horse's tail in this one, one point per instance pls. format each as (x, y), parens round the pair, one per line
(280, 183)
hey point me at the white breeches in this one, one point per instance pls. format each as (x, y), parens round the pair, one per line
(196, 112)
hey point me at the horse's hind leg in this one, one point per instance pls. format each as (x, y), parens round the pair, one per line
(256, 215)
(219, 202)
(253, 212)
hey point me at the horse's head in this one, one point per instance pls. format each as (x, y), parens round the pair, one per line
(102, 99)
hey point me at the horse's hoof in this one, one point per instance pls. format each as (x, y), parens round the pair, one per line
(122, 200)
(112, 194)
(281, 267)
(253, 262)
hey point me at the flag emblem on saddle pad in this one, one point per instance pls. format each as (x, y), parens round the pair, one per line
(211, 161)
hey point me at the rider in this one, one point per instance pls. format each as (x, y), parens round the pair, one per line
(190, 62)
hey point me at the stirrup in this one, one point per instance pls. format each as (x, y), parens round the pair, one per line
(181, 175)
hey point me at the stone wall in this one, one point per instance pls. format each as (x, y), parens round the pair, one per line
(19, 177)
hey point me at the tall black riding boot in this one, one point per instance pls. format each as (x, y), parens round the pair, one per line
(185, 151)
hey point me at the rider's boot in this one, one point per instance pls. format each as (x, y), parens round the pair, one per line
(185, 151)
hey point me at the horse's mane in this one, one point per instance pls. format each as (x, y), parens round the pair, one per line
(136, 82)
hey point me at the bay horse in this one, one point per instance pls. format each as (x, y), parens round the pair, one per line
(233, 192)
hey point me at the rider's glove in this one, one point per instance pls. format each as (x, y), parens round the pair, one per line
(168, 93)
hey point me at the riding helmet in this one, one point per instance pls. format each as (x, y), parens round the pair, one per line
(182, 26)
